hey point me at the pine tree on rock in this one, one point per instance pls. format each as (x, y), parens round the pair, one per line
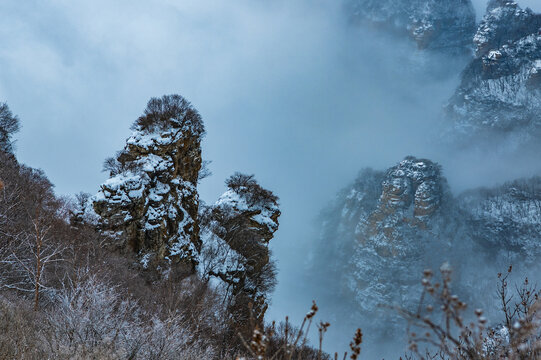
(150, 203)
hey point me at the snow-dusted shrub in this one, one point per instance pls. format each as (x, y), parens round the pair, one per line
(23, 331)
(92, 320)
(441, 328)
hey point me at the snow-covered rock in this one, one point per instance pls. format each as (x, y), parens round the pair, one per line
(378, 236)
(150, 203)
(506, 220)
(236, 231)
(504, 22)
(434, 24)
(382, 231)
(500, 91)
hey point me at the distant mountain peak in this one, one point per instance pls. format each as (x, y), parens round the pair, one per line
(445, 25)
(385, 228)
(500, 91)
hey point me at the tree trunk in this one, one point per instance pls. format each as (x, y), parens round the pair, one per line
(38, 262)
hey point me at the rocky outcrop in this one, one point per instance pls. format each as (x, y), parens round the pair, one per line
(500, 92)
(376, 238)
(434, 24)
(411, 193)
(236, 233)
(505, 22)
(383, 230)
(392, 239)
(150, 203)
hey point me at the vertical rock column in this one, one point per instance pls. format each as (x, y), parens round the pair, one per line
(150, 203)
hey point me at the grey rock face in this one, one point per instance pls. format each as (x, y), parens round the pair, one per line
(500, 92)
(434, 24)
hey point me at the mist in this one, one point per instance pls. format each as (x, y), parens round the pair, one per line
(288, 90)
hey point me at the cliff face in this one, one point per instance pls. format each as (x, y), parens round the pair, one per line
(378, 236)
(504, 22)
(382, 208)
(387, 227)
(434, 24)
(500, 92)
(150, 203)
(506, 220)
(411, 193)
(393, 238)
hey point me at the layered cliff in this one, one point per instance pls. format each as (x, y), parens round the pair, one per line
(237, 231)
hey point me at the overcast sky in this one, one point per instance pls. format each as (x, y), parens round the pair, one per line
(79, 73)
(286, 89)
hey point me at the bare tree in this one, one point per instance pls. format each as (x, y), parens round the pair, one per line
(28, 214)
